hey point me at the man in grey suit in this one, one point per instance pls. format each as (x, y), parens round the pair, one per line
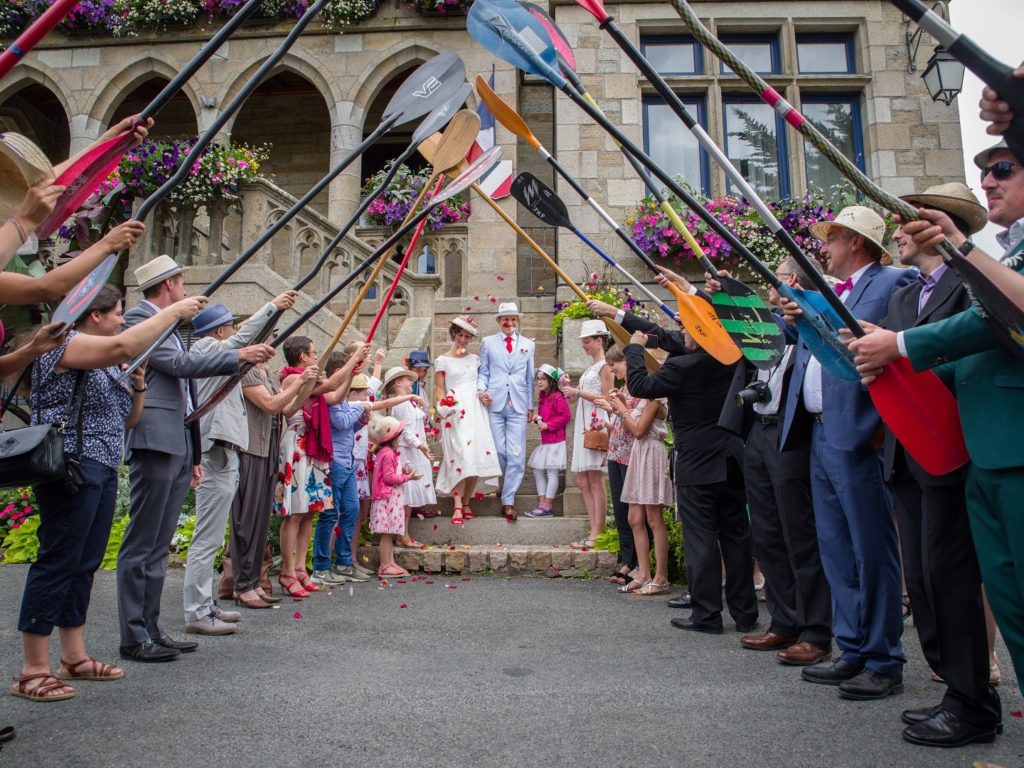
(163, 455)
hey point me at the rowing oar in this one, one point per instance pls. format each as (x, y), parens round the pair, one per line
(904, 399)
(39, 29)
(185, 168)
(999, 290)
(456, 144)
(82, 177)
(695, 314)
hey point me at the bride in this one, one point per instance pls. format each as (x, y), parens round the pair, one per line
(469, 452)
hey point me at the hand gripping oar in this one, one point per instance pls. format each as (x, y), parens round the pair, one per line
(457, 139)
(999, 290)
(82, 177)
(933, 439)
(695, 314)
(39, 29)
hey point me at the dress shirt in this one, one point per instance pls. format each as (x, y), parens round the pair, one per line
(928, 283)
(774, 377)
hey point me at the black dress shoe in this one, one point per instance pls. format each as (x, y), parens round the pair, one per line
(870, 685)
(830, 674)
(683, 601)
(697, 626)
(182, 646)
(149, 652)
(948, 730)
(747, 628)
(912, 716)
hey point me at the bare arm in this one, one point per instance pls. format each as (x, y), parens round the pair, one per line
(391, 402)
(41, 343)
(141, 131)
(275, 404)
(138, 385)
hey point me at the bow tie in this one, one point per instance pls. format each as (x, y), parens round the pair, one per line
(508, 343)
(844, 286)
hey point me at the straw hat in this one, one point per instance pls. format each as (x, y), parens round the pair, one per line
(467, 324)
(593, 328)
(508, 309)
(386, 428)
(955, 199)
(359, 382)
(22, 165)
(155, 271)
(398, 372)
(855, 218)
(981, 159)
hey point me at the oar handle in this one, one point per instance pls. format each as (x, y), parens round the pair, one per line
(36, 31)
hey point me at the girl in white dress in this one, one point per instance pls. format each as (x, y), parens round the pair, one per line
(412, 446)
(589, 465)
(466, 442)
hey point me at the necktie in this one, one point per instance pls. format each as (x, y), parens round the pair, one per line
(844, 286)
(508, 343)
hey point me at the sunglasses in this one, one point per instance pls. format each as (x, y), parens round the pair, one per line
(1001, 171)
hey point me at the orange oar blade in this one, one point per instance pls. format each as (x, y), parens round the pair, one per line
(699, 319)
(922, 414)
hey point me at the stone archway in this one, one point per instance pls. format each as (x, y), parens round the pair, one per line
(177, 119)
(38, 113)
(396, 141)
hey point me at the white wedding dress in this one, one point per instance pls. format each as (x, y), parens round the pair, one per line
(466, 440)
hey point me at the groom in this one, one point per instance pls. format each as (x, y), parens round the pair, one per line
(505, 387)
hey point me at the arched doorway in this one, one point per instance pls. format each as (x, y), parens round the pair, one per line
(37, 113)
(395, 142)
(290, 114)
(177, 120)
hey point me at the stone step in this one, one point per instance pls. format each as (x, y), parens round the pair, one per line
(537, 560)
(493, 530)
(490, 505)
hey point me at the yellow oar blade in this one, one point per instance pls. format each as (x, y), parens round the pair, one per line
(622, 336)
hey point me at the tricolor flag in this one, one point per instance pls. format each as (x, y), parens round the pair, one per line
(497, 183)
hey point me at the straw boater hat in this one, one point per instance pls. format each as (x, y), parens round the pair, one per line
(155, 271)
(386, 428)
(593, 328)
(22, 165)
(467, 324)
(397, 372)
(508, 309)
(855, 218)
(359, 382)
(955, 199)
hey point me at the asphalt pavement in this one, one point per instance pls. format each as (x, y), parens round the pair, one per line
(450, 672)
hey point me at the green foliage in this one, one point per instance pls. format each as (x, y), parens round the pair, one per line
(16, 506)
(183, 535)
(22, 543)
(603, 288)
(676, 552)
(609, 539)
(109, 561)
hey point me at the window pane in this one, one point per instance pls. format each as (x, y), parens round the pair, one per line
(670, 144)
(839, 120)
(823, 56)
(672, 58)
(752, 143)
(759, 55)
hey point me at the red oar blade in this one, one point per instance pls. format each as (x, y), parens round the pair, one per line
(82, 178)
(922, 414)
(594, 7)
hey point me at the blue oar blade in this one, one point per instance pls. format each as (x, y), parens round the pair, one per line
(819, 329)
(508, 30)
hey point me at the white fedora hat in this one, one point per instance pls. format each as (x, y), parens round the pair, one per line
(955, 199)
(508, 309)
(855, 218)
(155, 270)
(466, 323)
(593, 328)
(22, 165)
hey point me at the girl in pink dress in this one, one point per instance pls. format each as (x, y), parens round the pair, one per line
(387, 508)
(548, 458)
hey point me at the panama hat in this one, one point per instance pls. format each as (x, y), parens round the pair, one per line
(593, 328)
(359, 382)
(418, 359)
(981, 159)
(507, 309)
(550, 370)
(855, 218)
(22, 165)
(212, 318)
(467, 324)
(398, 372)
(156, 270)
(955, 199)
(385, 428)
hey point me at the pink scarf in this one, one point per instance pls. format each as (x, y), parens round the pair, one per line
(318, 422)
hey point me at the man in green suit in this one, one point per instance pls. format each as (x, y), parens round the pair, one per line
(988, 380)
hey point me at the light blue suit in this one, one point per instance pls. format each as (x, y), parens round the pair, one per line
(508, 378)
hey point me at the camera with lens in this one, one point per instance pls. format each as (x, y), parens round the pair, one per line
(755, 392)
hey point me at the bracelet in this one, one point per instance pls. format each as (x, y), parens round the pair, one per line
(20, 229)
(134, 389)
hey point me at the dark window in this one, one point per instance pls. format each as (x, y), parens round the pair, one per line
(755, 141)
(670, 143)
(838, 117)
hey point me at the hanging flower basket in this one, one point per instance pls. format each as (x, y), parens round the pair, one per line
(442, 7)
(392, 205)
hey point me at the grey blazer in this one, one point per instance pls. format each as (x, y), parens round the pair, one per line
(162, 426)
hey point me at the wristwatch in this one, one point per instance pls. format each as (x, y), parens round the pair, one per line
(966, 247)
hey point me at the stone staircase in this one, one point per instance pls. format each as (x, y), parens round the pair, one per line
(548, 560)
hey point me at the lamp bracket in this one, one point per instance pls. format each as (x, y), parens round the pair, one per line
(912, 39)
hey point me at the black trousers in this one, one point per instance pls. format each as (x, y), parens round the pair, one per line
(941, 571)
(716, 528)
(627, 547)
(785, 539)
(250, 515)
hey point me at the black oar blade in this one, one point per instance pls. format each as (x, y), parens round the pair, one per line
(540, 200)
(80, 297)
(441, 115)
(431, 85)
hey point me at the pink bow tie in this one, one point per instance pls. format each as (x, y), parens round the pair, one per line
(844, 286)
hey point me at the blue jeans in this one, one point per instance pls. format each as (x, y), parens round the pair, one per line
(344, 515)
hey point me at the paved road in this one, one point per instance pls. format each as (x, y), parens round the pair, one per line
(492, 673)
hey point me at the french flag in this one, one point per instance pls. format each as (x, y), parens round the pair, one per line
(498, 182)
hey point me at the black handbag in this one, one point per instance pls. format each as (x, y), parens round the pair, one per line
(35, 454)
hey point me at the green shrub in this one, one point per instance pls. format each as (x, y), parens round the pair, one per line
(22, 543)
(109, 561)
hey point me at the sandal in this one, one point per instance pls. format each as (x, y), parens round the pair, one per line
(392, 571)
(307, 583)
(467, 513)
(412, 544)
(457, 520)
(633, 586)
(583, 543)
(653, 588)
(292, 586)
(43, 691)
(98, 671)
(619, 577)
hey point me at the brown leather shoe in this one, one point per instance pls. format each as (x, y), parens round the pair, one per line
(802, 654)
(769, 641)
(510, 513)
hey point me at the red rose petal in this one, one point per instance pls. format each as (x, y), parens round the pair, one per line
(403, 605)
(478, 495)
(1018, 713)
(296, 615)
(499, 277)
(450, 586)
(465, 578)
(435, 526)
(451, 547)
(401, 581)
(429, 581)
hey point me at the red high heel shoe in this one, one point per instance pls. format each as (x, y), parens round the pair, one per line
(293, 586)
(307, 583)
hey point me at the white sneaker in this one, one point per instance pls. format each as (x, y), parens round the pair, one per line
(349, 573)
(210, 625)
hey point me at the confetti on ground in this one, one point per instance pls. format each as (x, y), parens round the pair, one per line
(451, 547)
(465, 578)
(450, 586)
(401, 581)
(403, 605)
(1018, 713)
(435, 526)
(350, 592)
(296, 615)
(429, 581)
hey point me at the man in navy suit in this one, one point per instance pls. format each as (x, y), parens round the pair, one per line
(852, 508)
